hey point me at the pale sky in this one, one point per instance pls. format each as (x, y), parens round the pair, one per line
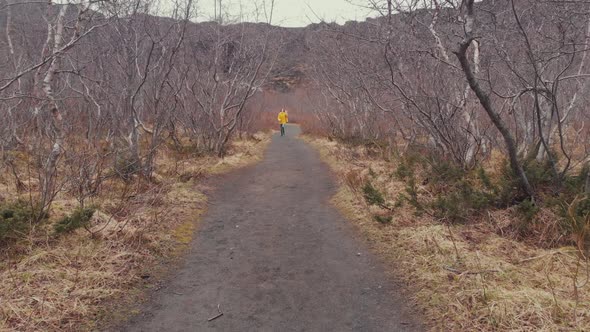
(290, 13)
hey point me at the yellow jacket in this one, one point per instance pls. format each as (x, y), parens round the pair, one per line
(283, 117)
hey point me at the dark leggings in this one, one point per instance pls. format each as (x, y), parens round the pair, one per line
(282, 130)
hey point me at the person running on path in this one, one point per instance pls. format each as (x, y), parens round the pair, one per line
(283, 119)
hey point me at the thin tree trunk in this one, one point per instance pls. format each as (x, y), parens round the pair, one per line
(12, 127)
(9, 40)
(471, 124)
(587, 186)
(57, 120)
(134, 161)
(485, 101)
(133, 157)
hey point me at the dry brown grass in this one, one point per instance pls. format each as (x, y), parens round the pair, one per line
(65, 283)
(465, 277)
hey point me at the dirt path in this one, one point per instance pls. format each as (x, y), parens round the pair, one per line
(276, 256)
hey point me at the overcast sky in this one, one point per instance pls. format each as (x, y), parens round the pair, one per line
(290, 13)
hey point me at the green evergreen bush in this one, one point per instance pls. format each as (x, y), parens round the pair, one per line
(125, 166)
(16, 219)
(78, 218)
(372, 195)
(383, 219)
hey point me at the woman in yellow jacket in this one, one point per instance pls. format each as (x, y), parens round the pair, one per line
(283, 119)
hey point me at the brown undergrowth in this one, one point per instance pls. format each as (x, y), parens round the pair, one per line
(67, 282)
(467, 276)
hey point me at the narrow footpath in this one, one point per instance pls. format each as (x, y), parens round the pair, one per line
(274, 255)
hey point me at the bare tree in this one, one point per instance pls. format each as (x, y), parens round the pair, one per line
(530, 98)
(234, 63)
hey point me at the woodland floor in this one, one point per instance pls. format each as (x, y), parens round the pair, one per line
(273, 255)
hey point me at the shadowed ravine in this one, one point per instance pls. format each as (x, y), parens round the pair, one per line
(275, 256)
